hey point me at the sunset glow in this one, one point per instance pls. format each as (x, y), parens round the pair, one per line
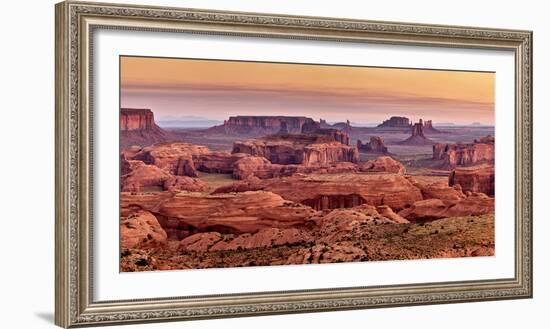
(217, 89)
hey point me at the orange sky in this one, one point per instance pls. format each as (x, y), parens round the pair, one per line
(217, 89)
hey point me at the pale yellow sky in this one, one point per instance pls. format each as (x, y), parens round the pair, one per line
(217, 89)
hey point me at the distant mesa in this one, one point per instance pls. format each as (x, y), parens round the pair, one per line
(317, 128)
(395, 122)
(344, 126)
(417, 136)
(138, 127)
(404, 122)
(253, 126)
(375, 145)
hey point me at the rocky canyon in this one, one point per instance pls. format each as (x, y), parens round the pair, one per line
(278, 190)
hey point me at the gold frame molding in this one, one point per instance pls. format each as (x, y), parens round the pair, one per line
(76, 22)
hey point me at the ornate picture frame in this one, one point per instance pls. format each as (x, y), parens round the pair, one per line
(76, 22)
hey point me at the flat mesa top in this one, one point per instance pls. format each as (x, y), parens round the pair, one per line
(135, 111)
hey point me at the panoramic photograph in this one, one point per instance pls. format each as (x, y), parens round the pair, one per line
(241, 163)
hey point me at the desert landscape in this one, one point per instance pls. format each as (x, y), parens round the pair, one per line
(235, 163)
(276, 190)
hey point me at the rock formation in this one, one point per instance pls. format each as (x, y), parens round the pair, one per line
(474, 179)
(375, 145)
(298, 149)
(143, 177)
(417, 136)
(315, 128)
(430, 209)
(218, 162)
(439, 190)
(260, 167)
(429, 128)
(138, 127)
(265, 238)
(175, 158)
(345, 190)
(395, 122)
(403, 122)
(260, 125)
(462, 154)
(184, 214)
(383, 164)
(141, 229)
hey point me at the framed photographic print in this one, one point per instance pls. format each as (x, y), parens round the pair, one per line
(219, 164)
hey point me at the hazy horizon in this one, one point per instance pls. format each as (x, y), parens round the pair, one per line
(215, 90)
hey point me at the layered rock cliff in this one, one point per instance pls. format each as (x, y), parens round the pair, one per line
(298, 149)
(138, 127)
(465, 154)
(474, 179)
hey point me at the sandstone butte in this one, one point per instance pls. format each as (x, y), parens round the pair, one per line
(417, 136)
(465, 154)
(302, 149)
(374, 145)
(474, 179)
(138, 127)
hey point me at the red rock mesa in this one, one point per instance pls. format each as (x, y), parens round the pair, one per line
(138, 127)
(465, 154)
(260, 125)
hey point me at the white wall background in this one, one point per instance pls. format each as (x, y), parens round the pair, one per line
(27, 162)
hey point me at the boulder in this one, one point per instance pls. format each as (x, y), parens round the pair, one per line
(141, 230)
